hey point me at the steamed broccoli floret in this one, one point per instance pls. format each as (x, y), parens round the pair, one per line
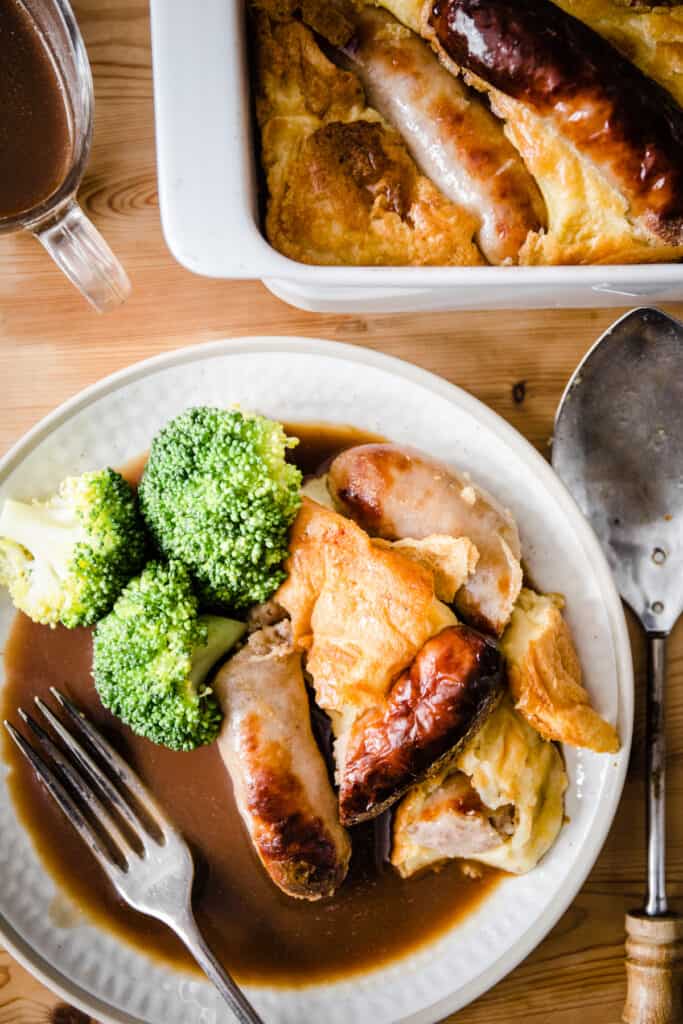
(219, 496)
(152, 655)
(68, 558)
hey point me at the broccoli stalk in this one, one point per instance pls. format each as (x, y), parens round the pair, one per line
(66, 560)
(219, 496)
(221, 635)
(50, 537)
(153, 655)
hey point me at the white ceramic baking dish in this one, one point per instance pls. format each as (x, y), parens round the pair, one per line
(208, 192)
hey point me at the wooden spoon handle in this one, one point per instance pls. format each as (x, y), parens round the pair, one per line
(654, 969)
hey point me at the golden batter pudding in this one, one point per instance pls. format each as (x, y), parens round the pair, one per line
(603, 141)
(410, 141)
(545, 676)
(361, 612)
(650, 36)
(502, 805)
(342, 188)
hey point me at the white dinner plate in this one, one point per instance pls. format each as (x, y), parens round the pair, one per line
(296, 379)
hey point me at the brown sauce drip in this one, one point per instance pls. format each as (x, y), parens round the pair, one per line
(319, 443)
(258, 932)
(35, 130)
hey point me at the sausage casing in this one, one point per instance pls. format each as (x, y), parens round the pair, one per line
(279, 777)
(625, 123)
(395, 492)
(503, 805)
(429, 713)
(449, 131)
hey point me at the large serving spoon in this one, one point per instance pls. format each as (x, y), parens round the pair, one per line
(618, 446)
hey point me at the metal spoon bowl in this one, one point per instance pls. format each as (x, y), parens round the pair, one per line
(618, 446)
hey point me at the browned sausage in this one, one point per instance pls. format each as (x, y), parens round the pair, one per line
(394, 491)
(279, 778)
(429, 713)
(629, 126)
(451, 134)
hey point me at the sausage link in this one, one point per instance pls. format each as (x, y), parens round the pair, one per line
(430, 712)
(625, 123)
(395, 492)
(279, 778)
(451, 135)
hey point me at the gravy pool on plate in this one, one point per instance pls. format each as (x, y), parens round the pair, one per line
(259, 933)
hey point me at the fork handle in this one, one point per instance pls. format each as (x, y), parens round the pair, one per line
(187, 930)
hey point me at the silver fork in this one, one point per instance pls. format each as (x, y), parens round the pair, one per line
(148, 863)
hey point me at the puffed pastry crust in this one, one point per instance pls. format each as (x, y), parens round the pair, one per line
(342, 188)
(360, 612)
(545, 676)
(509, 768)
(451, 560)
(650, 35)
(588, 217)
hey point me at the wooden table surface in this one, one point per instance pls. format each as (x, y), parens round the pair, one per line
(52, 345)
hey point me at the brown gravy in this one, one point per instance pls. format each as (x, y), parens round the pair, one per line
(259, 933)
(35, 128)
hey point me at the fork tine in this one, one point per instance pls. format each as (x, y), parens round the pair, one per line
(93, 770)
(89, 798)
(123, 771)
(65, 802)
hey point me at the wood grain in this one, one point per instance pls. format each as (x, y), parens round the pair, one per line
(51, 345)
(654, 969)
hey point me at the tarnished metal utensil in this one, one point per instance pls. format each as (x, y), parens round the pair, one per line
(147, 861)
(618, 446)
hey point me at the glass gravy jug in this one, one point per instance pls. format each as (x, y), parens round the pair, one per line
(46, 104)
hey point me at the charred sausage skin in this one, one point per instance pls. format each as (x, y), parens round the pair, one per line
(451, 134)
(430, 711)
(629, 126)
(394, 492)
(280, 781)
